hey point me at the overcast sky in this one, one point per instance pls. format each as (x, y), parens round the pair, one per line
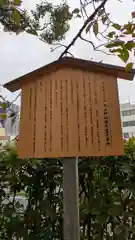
(24, 53)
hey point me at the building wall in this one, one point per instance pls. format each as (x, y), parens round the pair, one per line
(128, 119)
(2, 132)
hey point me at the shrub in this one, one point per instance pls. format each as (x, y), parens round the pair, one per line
(31, 197)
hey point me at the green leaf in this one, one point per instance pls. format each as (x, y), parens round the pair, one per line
(3, 116)
(3, 3)
(129, 66)
(4, 106)
(130, 45)
(76, 11)
(17, 2)
(95, 28)
(32, 31)
(115, 44)
(128, 28)
(88, 27)
(116, 26)
(17, 204)
(124, 56)
(111, 34)
(16, 16)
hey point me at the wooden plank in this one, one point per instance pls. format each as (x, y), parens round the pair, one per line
(24, 137)
(72, 113)
(117, 145)
(80, 111)
(74, 143)
(88, 66)
(40, 119)
(92, 89)
(56, 139)
(99, 117)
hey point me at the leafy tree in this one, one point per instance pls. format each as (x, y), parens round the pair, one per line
(48, 21)
(51, 22)
(113, 35)
(31, 197)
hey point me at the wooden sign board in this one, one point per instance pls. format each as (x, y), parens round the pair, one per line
(70, 113)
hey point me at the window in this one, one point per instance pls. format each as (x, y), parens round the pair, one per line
(133, 112)
(126, 135)
(126, 113)
(129, 124)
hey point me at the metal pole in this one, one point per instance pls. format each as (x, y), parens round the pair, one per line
(71, 199)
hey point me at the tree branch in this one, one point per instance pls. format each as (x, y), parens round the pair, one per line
(59, 45)
(90, 18)
(83, 6)
(94, 47)
(15, 99)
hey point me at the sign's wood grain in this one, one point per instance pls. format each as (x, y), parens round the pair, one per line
(70, 113)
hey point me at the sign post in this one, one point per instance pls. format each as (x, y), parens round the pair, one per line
(71, 199)
(70, 108)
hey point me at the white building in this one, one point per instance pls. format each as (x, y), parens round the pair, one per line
(11, 125)
(127, 111)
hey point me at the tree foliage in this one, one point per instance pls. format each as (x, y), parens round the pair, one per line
(107, 197)
(51, 22)
(117, 39)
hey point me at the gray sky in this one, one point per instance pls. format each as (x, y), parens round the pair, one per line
(24, 53)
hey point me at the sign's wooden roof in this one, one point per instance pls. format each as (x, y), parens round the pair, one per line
(68, 62)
